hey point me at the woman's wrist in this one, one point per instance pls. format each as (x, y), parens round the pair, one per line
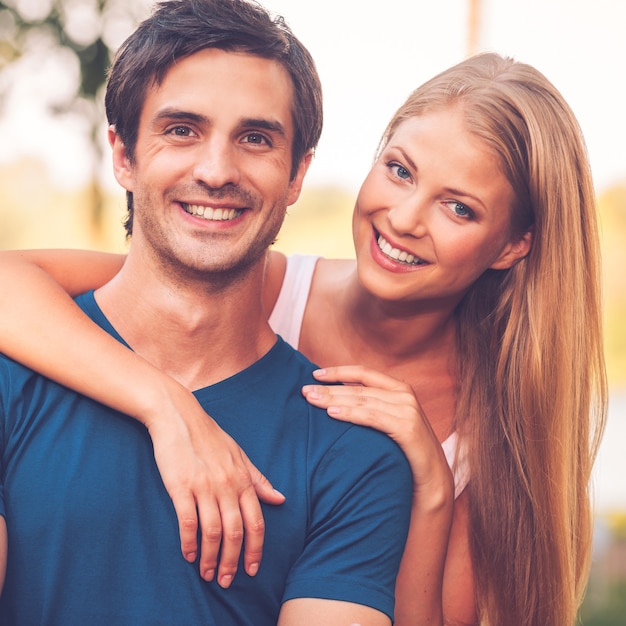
(155, 397)
(435, 496)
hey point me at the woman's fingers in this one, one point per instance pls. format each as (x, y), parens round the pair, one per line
(352, 395)
(262, 486)
(254, 524)
(185, 506)
(357, 374)
(395, 413)
(229, 537)
(254, 531)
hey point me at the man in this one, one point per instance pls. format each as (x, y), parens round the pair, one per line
(214, 111)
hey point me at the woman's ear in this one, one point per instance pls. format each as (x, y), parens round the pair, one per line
(514, 251)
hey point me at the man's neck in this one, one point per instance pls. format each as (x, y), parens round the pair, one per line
(197, 332)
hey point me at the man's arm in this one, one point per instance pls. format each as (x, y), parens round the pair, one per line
(314, 611)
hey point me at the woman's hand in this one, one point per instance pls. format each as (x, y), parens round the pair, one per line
(371, 398)
(212, 483)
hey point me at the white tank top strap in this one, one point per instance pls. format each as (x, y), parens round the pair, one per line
(456, 455)
(288, 312)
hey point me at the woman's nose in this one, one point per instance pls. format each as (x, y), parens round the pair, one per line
(409, 215)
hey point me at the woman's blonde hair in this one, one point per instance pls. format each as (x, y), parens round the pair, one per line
(532, 393)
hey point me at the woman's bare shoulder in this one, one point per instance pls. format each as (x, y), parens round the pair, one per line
(329, 273)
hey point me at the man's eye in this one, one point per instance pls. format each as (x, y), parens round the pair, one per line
(255, 138)
(180, 131)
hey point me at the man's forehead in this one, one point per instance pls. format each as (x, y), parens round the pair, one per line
(242, 84)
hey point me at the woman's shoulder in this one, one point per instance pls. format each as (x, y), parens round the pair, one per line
(331, 273)
(327, 273)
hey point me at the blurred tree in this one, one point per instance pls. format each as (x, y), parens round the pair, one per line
(612, 611)
(86, 30)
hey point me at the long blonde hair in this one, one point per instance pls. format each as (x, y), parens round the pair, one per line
(532, 393)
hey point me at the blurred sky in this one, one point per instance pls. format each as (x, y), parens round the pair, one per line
(370, 56)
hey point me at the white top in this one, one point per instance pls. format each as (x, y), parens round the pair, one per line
(286, 321)
(288, 312)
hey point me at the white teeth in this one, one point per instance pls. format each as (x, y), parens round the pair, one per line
(208, 213)
(396, 254)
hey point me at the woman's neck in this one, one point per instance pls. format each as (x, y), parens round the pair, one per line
(397, 331)
(344, 323)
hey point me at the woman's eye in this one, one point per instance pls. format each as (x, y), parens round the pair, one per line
(460, 209)
(400, 172)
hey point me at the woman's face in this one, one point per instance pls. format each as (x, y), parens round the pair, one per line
(433, 213)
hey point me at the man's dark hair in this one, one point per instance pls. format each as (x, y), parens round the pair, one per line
(180, 28)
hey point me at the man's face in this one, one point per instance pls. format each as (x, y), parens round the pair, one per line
(210, 179)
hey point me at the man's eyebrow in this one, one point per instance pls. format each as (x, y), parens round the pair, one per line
(179, 114)
(272, 126)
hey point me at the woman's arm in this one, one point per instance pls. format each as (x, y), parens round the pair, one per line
(379, 401)
(206, 474)
(77, 271)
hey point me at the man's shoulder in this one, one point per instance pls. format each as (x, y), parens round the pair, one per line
(87, 303)
(355, 444)
(300, 368)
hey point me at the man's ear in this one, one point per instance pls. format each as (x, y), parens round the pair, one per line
(514, 251)
(122, 167)
(295, 185)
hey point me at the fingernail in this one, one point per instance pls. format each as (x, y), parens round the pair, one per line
(333, 410)
(279, 493)
(208, 575)
(225, 581)
(191, 556)
(319, 372)
(253, 568)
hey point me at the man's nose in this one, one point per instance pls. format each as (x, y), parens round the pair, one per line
(217, 164)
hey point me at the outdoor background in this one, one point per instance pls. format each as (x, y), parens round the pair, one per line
(56, 189)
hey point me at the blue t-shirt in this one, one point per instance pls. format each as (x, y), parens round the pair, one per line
(93, 535)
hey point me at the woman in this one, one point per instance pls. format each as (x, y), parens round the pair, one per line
(476, 283)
